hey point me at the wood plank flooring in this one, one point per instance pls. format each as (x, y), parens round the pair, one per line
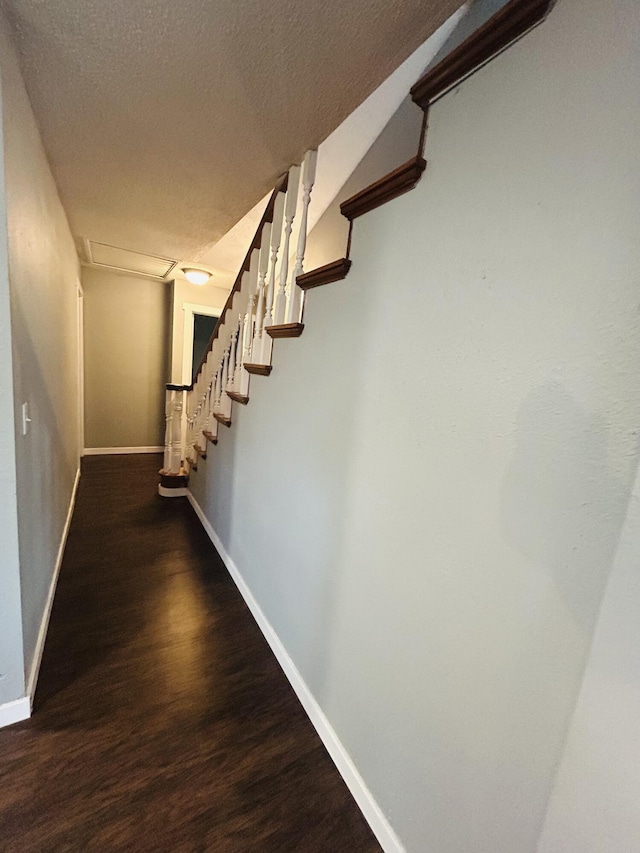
(162, 722)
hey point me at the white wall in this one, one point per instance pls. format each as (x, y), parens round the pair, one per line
(126, 358)
(43, 273)
(427, 494)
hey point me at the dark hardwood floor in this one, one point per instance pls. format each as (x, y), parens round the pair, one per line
(162, 720)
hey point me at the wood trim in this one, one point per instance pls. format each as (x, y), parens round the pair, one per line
(34, 672)
(258, 369)
(503, 28)
(15, 711)
(201, 453)
(210, 436)
(120, 451)
(172, 387)
(400, 181)
(173, 481)
(335, 271)
(221, 419)
(239, 398)
(285, 330)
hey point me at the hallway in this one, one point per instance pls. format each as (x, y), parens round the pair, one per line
(162, 720)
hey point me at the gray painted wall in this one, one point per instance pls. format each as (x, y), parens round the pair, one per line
(594, 806)
(126, 355)
(397, 143)
(427, 494)
(12, 681)
(43, 274)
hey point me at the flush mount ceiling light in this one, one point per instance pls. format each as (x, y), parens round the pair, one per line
(196, 276)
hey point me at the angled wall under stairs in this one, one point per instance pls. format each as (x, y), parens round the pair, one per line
(422, 501)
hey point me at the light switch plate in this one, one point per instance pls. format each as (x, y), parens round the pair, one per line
(26, 420)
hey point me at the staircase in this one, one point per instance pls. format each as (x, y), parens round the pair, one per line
(266, 302)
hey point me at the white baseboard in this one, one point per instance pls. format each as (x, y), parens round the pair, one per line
(15, 712)
(389, 841)
(116, 451)
(44, 624)
(173, 493)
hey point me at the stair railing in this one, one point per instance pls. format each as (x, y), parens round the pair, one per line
(241, 342)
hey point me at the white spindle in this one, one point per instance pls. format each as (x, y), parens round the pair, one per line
(289, 215)
(218, 392)
(242, 376)
(212, 423)
(262, 354)
(263, 266)
(184, 398)
(235, 379)
(176, 432)
(167, 466)
(197, 437)
(206, 420)
(225, 401)
(308, 179)
(191, 454)
(232, 361)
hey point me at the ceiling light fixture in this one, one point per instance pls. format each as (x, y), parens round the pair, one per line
(196, 276)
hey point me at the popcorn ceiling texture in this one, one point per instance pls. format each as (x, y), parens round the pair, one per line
(165, 122)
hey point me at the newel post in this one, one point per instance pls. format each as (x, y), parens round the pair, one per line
(172, 475)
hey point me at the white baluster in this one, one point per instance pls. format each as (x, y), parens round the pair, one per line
(242, 376)
(197, 428)
(191, 454)
(235, 380)
(262, 355)
(206, 421)
(218, 394)
(237, 376)
(175, 462)
(289, 215)
(232, 361)
(184, 423)
(263, 266)
(225, 401)
(204, 409)
(213, 423)
(208, 378)
(308, 179)
(168, 414)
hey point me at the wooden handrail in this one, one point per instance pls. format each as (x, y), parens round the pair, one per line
(400, 181)
(267, 216)
(512, 21)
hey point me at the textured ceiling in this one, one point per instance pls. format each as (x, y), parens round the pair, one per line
(166, 121)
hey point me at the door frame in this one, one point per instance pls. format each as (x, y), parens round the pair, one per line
(190, 309)
(80, 339)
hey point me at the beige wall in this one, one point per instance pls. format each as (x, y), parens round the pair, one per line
(126, 351)
(212, 295)
(426, 496)
(43, 273)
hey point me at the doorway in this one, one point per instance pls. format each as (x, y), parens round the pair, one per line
(199, 322)
(203, 326)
